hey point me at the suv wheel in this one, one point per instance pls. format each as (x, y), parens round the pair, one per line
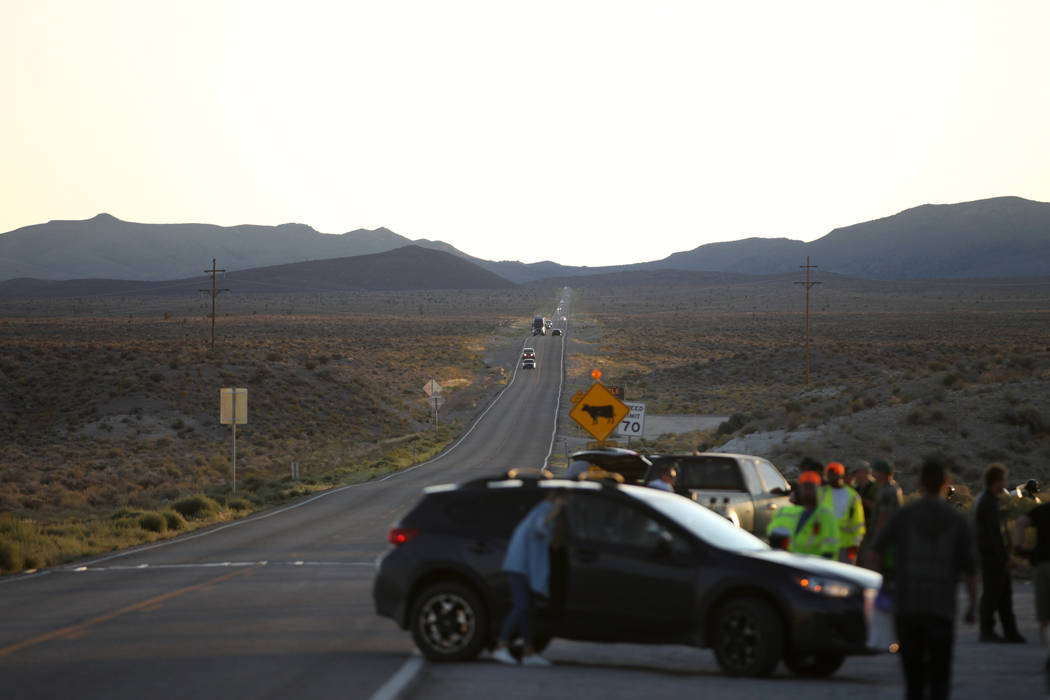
(748, 637)
(448, 623)
(814, 665)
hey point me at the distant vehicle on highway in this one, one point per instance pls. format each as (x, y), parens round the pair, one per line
(637, 565)
(549, 323)
(528, 354)
(528, 364)
(750, 487)
(538, 326)
(555, 331)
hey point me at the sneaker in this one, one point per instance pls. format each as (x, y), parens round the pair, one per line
(503, 655)
(534, 660)
(991, 637)
(1014, 639)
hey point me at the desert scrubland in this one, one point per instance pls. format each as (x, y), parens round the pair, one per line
(898, 370)
(109, 407)
(109, 432)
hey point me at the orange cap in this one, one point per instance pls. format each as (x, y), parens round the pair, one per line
(810, 477)
(836, 468)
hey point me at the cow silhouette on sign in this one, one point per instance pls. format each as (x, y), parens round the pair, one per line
(597, 412)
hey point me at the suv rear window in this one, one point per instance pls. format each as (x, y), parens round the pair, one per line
(710, 473)
(492, 512)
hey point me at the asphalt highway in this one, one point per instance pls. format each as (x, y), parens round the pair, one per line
(274, 606)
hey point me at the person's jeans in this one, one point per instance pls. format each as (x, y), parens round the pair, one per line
(522, 612)
(926, 654)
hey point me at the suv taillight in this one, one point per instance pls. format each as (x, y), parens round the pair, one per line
(400, 535)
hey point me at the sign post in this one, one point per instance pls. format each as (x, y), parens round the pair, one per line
(233, 409)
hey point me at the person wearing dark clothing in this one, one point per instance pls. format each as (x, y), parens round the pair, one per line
(1039, 555)
(924, 548)
(993, 547)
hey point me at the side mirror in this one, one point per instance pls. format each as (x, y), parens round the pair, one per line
(781, 491)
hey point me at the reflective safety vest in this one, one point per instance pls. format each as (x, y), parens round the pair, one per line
(783, 524)
(850, 520)
(819, 535)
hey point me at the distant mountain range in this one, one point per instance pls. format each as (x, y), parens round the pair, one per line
(410, 267)
(1000, 237)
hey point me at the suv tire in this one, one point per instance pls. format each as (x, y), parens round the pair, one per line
(448, 622)
(748, 637)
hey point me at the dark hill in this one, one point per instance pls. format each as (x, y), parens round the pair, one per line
(1000, 237)
(107, 247)
(410, 267)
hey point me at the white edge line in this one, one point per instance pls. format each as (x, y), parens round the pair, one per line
(300, 504)
(557, 406)
(400, 682)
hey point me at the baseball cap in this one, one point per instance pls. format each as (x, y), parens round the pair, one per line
(836, 468)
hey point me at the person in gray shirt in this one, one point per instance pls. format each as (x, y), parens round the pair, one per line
(923, 550)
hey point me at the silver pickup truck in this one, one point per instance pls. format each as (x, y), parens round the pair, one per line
(751, 487)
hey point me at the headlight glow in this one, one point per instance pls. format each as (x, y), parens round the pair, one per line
(827, 587)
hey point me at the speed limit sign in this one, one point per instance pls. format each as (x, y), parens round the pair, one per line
(633, 424)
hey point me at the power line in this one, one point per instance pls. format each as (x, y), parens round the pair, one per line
(807, 284)
(214, 293)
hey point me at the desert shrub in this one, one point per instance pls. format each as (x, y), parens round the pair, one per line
(735, 423)
(239, 504)
(154, 522)
(1026, 417)
(11, 556)
(198, 506)
(174, 520)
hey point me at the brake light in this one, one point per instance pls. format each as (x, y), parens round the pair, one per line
(400, 535)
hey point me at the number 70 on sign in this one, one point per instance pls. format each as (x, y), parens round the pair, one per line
(633, 424)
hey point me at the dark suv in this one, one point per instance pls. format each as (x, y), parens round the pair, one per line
(636, 565)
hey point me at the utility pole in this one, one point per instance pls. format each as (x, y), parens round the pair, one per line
(214, 293)
(807, 284)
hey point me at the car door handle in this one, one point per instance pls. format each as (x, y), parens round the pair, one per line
(586, 555)
(771, 506)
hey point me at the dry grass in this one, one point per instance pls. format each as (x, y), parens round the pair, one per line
(898, 370)
(113, 403)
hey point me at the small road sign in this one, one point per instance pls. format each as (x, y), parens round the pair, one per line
(436, 401)
(432, 388)
(229, 412)
(616, 391)
(599, 412)
(577, 396)
(634, 424)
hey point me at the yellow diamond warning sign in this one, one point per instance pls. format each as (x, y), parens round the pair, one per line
(599, 412)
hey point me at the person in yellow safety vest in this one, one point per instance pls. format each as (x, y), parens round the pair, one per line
(845, 503)
(783, 524)
(811, 528)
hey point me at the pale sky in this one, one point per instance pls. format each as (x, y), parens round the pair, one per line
(587, 133)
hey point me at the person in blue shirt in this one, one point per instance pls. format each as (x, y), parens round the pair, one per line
(528, 567)
(665, 478)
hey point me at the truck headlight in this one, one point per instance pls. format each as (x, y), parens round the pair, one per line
(827, 587)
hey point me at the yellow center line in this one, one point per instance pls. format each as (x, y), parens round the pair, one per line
(76, 630)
